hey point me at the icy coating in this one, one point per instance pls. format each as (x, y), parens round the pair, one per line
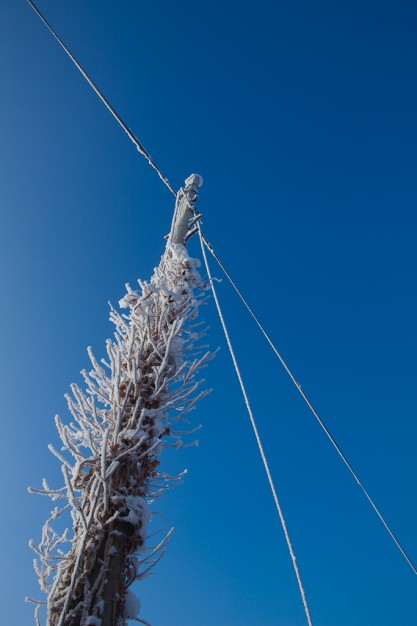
(129, 412)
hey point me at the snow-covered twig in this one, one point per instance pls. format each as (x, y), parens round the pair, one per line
(122, 421)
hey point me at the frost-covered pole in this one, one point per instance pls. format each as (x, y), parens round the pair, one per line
(129, 412)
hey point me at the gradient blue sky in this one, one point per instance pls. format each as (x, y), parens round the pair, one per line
(301, 117)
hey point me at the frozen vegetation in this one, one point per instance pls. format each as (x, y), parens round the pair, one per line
(133, 406)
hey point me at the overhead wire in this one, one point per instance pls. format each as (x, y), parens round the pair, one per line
(102, 97)
(256, 431)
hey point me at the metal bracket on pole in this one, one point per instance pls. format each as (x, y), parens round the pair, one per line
(185, 214)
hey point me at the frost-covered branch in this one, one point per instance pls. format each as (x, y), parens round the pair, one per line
(110, 451)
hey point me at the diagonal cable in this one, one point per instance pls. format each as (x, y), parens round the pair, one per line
(257, 435)
(102, 97)
(311, 407)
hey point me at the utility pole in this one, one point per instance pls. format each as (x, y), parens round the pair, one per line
(122, 421)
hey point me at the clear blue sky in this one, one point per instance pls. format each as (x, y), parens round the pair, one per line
(301, 117)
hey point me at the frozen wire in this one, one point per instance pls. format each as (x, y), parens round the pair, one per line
(102, 97)
(257, 435)
(311, 407)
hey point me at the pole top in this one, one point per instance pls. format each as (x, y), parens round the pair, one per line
(182, 226)
(194, 179)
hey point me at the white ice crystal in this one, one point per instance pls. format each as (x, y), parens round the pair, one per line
(132, 604)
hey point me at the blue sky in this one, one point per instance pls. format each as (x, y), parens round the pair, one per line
(301, 118)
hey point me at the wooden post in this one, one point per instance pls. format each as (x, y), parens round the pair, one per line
(114, 589)
(184, 210)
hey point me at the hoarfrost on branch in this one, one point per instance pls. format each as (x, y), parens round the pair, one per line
(128, 413)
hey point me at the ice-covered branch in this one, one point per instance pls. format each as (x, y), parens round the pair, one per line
(109, 455)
